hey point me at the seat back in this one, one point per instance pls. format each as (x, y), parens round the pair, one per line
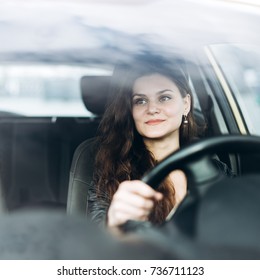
(81, 177)
(94, 90)
(35, 159)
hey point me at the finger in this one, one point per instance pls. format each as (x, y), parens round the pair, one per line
(119, 214)
(131, 210)
(134, 200)
(122, 218)
(140, 188)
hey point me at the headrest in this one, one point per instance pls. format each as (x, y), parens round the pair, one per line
(94, 92)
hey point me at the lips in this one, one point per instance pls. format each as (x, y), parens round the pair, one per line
(154, 122)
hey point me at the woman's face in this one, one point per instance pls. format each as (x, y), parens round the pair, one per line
(158, 107)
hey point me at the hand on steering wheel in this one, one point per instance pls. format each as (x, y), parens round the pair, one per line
(196, 161)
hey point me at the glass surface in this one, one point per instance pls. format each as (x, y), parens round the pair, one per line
(241, 67)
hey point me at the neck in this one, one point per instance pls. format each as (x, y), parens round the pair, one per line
(161, 148)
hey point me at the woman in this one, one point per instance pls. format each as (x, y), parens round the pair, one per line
(148, 117)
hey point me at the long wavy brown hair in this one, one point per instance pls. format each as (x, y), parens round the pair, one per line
(122, 154)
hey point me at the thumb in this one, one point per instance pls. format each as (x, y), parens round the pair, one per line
(158, 196)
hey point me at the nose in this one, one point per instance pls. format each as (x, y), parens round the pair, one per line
(153, 108)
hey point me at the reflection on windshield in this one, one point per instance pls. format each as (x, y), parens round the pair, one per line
(241, 67)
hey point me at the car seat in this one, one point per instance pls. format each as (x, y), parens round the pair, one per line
(94, 90)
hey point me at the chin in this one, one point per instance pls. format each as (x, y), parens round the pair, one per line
(154, 136)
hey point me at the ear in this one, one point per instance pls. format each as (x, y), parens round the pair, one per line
(187, 104)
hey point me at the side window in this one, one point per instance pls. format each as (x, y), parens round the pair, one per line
(240, 65)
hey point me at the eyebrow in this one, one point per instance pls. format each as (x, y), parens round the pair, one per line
(157, 93)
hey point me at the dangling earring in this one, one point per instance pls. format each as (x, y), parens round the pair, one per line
(185, 119)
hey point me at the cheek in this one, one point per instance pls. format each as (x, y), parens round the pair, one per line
(137, 114)
(138, 118)
(174, 110)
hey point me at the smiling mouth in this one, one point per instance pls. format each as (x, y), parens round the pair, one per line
(154, 122)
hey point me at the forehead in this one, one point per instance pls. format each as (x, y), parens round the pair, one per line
(153, 83)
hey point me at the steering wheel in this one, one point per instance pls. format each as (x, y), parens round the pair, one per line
(196, 161)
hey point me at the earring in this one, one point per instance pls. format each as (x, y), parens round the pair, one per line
(185, 119)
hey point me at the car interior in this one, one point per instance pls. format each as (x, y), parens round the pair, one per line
(36, 156)
(44, 159)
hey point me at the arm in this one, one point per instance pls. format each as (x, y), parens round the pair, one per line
(97, 206)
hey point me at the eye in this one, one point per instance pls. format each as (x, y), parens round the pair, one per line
(139, 101)
(164, 98)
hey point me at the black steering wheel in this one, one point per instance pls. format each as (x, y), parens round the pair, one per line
(196, 161)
